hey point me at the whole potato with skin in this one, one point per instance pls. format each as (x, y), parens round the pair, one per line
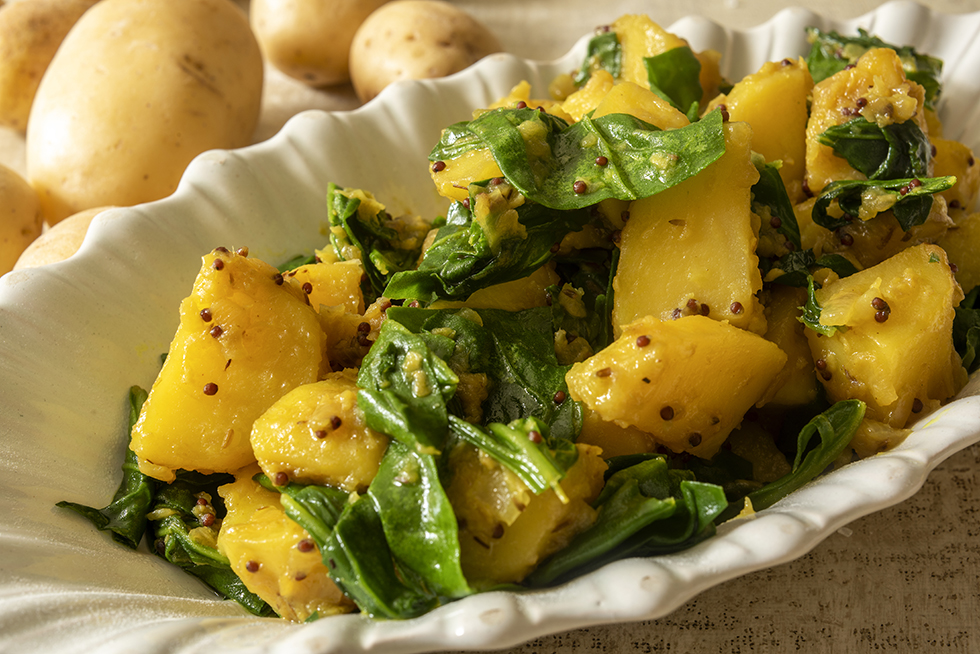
(415, 39)
(309, 40)
(30, 33)
(59, 242)
(137, 89)
(20, 217)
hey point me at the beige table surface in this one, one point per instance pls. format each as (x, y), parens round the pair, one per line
(905, 579)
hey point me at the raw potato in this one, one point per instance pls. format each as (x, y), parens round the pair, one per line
(30, 33)
(415, 39)
(59, 242)
(20, 217)
(310, 40)
(138, 89)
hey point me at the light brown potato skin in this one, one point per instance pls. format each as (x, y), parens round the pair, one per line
(137, 89)
(59, 242)
(20, 217)
(415, 39)
(30, 33)
(309, 40)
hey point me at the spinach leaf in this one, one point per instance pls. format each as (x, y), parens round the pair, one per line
(896, 151)
(556, 166)
(125, 516)
(812, 310)
(368, 232)
(966, 330)
(831, 53)
(910, 199)
(797, 266)
(835, 428)
(517, 354)
(604, 52)
(404, 387)
(395, 551)
(505, 239)
(314, 508)
(525, 448)
(591, 273)
(644, 509)
(770, 192)
(675, 76)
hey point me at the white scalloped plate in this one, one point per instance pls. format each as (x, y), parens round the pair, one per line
(75, 335)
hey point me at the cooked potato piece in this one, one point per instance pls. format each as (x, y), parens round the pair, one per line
(243, 342)
(774, 102)
(962, 245)
(315, 434)
(636, 100)
(902, 361)
(888, 97)
(59, 242)
(415, 39)
(275, 557)
(505, 530)
(121, 111)
(30, 33)
(330, 284)
(309, 40)
(692, 247)
(954, 158)
(688, 382)
(796, 383)
(20, 217)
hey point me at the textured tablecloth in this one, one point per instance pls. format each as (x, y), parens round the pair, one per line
(904, 579)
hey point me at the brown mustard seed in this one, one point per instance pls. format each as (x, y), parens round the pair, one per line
(364, 327)
(694, 439)
(601, 161)
(821, 364)
(826, 374)
(280, 479)
(336, 422)
(724, 112)
(881, 316)
(216, 331)
(521, 104)
(253, 566)
(210, 388)
(604, 372)
(560, 397)
(438, 166)
(667, 413)
(534, 436)
(206, 519)
(624, 216)
(498, 531)
(916, 405)
(305, 545)
(692, 304)
(775, 222)
(222, 249)
(307, 288)
(300, 576)
(201, 501)
(580, 187)
(736, 308)
(861, 103)
(642, 341)
(879, 304)
(206, 315)
(320, 433)
(953, 268)
(278, 279)
(846, 240)
(218, 264)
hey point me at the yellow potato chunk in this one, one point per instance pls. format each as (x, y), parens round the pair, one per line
(774, 102)
(315, 434)
(691, 248)
(796, 383)
(516, 295)
(640, 38)
(954, 158)
(275, 557)
(896, 351)
(243, 342)
(962, 245)
(876, 88)
(588, 97)
(613, 439)
(688, 382)
(636, 100)
(330, 284)
(505, 530)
